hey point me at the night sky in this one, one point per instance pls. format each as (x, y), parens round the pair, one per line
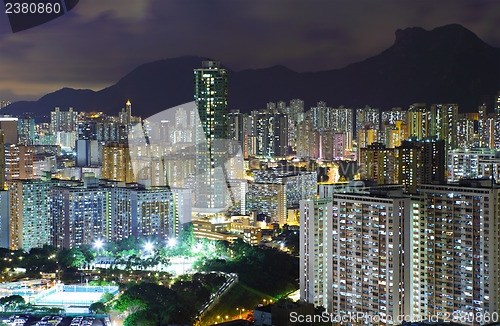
(102, 40)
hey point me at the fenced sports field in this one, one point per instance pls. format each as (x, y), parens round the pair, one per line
(72, 295)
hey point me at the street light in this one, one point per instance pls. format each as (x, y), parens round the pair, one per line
(172, 242)
(148, 247)
(98, 244)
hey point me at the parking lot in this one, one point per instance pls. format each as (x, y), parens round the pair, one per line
(29, 320)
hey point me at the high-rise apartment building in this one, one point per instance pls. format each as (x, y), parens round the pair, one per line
(142, 212)
(63, 120)
(473, 163)
(308, 139)
(377, 163)
(367, 118)
(18, 162)
(2, 161)
(367, 137)
(4, 219)
(116, 163)
(353, 255)
(457, 255)
(444, 123)
(153, 212)
(88, 153)
(268, 199)
(271, 132)
(210, 95)
(315, 255)
(419, 162)
(79, 215)
(30, 219)
(26, 131)
(273, 191)
(295, 114)
(342, 121)
(299, 184)
(467, 130)
(396, 114)
(419, 121)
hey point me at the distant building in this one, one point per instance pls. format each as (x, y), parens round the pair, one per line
(63, 120)
(272, 191)
(88, 153)
(377, 163)
(227, 231)
(9, 126)
(271, 132)
(2, 161)
(116, 163)
(419, 162)
(26, 131)
(473, 163)
(4, 219)
(367, 118)
(18, 162)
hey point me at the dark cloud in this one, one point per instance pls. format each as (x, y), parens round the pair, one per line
(100, 41)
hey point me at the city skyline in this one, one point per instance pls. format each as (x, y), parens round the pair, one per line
(393, 214)
(367, 195)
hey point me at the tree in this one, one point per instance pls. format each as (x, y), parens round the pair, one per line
(187, 238)
(87, 253)
(98, 308)
(106, 297)
(12, 302)
(148, 304)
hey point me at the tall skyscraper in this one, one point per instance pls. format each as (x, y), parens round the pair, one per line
(210, 95)
(271, 132)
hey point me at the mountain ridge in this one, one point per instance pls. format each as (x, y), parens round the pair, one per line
(448, 64)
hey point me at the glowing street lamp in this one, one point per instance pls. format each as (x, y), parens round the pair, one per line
(148, 247)
(172, 242)
(98, 244)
